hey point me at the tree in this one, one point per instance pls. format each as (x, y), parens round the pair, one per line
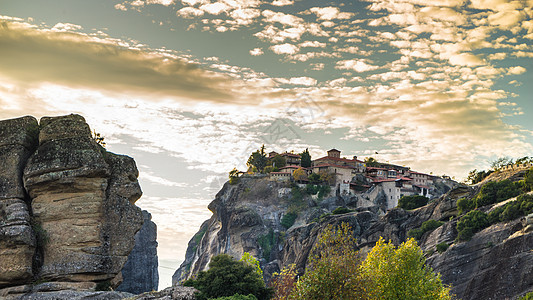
(305, 159)
(314, 178)
(528, 180)
(327, 177)
(227, 277)
(99, 139)
(234, 176)
(500, 163)
(371, 162)
(401, 273)
(258, 159)
(248, 259)
(278, 161)
(412, 202)
(333, 268)
(283, 282)
(299, 175)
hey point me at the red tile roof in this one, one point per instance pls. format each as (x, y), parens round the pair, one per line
(337, 159)
(335, 166)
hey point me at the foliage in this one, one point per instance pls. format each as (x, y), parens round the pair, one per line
(371, 162)
(333, 268)
(277, 161)
(99, 139)
(258, 159)
(327, 177)
(299, 175)
(500, 163)
(41, 235)
(288, 219)
(528, 180)
(522, 206)
(227, 277)
(471, 223)
(314, 178)
(283, 282)
(412, 202)
(237, 297)
(476, 176)
(442, 247)
(311, 189)
(427, 226)
(465, 205)
(305, 159)
(497, 191)
(248, 259)
(267, 242)
(341, 210)
(234, 176)
(103, 286)
(323, 190)
(401, 273)
(528, 296)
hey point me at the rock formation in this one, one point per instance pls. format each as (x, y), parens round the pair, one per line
(496, 264)
(140, 271)
(67, 213)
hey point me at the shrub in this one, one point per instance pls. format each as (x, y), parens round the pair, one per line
(288, 219)
(323, 190)
(471, 223)
(427, 226)
(522, 206)
(412, 202)
(341, 210)
(497, 191)
(442, 247)
(311, 189)
(228, 277)
(283, 282)
(465, 205)
(237, 297)
(400, 273)
(528, 180)
(267, 242)
(528, 296)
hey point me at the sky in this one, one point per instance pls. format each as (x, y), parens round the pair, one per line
(190, 88)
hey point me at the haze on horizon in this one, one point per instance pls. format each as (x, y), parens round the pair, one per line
(190, 88)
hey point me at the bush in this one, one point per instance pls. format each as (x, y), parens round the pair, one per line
(266, 243)
(465, 205)
(471, 223)
(497, 191)
(427, 226)
(528, 296)
(341, 210)
(227, 277)
(522, 206)
(323, 190)
(528, 180)
(288, 219)
(311, 189)
(442, 247)
(400, 273)
(412, 202)
(237, 297)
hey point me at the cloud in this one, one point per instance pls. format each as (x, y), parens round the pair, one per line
(307, 81)
(516, 70)
(215, 8)
(314, 44)
(35, 56)
(256, 52)
(465, 59)
(189, 12)
(284, 49)
(330, 13)
(282, 2)
(357, 65)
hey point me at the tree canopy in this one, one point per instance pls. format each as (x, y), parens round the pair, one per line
(227, 277)
(305, 158)
(299, 175)
(371, 162)
(258, 159)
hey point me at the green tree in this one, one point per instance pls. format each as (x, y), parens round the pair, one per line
(258, 159)
(237, 297)
(327, 177)
(528, 180)
(248, 259)
(305, 158)
(371, 162)
(314, 178)
(227, 277)
(471, 223)
(500, 163)
(333, 268)
(234, 176)
(412, 202)
(400, 273)
(277, 161)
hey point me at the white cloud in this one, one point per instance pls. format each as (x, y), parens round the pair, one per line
(256, 52)
(282, 18)
(215, 8)
(330, 13)
(357, 65)
(284, 49)
(64, 27)
(516, 70)
(189, 12)
(465, 59)
(282, 2)
(312, 44)
(307, 81)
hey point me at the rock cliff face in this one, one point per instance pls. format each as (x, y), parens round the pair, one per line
(140, 271)
(496, 264)
(67, 212)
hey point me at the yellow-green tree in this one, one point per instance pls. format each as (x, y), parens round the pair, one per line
(248, 259)
(333, 271)
(283, 282)
(299, 175)
(400, 273)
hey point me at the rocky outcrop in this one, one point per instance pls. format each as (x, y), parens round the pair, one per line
(67, 212)
(18, 139)
(140, 271)
(497, 263)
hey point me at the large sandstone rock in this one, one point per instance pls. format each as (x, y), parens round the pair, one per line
(18, 138)
(82, 200)
(140, 271)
